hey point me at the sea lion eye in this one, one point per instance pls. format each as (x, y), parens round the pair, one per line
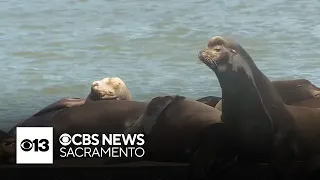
(299, 86)
(234, 51)
(218, 49)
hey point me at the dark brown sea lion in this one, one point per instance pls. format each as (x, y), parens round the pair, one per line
(312, 103)
(297, 92)
(171, 125)
(76, 116)
(210, 100)
(105, 89)
(258, 122)
(112, 116)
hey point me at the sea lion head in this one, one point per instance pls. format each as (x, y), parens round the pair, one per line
(228, 60)
(109, 88)
(223, 55)
(296, 90)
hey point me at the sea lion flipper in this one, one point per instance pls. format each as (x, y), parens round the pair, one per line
(211, 149)
(154, 109)
(201, 162)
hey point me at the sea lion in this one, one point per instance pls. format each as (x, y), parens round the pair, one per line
(296, 92)
(105, 89)
(112, 116)
(258, 122)
(171, 125)
(180, 121)
(312, 103)
(210, 100)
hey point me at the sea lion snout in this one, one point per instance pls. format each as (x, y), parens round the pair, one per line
(209, 57)
(102, 90)
(202, 55)
(315, 91)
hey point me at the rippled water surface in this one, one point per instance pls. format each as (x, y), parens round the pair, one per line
(55, 49)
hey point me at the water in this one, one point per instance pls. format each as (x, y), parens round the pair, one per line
(55, 49)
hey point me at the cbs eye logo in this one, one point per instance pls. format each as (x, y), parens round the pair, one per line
(65, 139)
(37, 145)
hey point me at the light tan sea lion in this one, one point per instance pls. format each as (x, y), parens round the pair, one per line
(105, 89)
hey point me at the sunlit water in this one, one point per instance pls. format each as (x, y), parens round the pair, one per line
(55, 49)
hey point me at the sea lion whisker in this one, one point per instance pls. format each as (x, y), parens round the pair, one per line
(212, 62)
(215, 63)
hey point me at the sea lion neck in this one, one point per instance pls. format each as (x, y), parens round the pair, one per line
(240, 96)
